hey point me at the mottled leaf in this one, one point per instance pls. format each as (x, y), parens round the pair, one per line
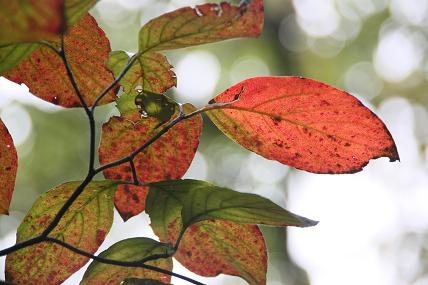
(201, 201)
(303, 123)
(84, 225)
(8, 168)
(24, 21)
(87, 49)
(200, 25)
(135, 281)
(167, 158)
(11, 52)
(210, 247)
(150, 72)
(133, 249)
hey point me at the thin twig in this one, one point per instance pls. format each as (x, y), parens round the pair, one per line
(67, 205)
(115, 82)
(129, 157)
(71, 77)
(138, 263)
(89, 112)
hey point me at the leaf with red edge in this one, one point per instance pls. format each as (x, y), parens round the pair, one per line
(203, 24)
(84, 225)
(132, 249)
(303, 123)
(87, 49)
(8, 168)
(167, 158)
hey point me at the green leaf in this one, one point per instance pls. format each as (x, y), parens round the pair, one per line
(210, 216)
(135, 281)
(8, 168)
(76, 9)
(150, 72)
(200, 25)
(84, 225)
(223, 246)
(201, 201)
(12, 54)
(133, 249)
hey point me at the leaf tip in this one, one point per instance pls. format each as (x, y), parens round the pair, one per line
(305, 222)
(4, 212)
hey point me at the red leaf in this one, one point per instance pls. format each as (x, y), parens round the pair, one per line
(167, 158)
(8, 168)
(87, 49)
(210, 248)
(303, 123)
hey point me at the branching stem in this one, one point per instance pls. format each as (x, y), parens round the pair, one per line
(92, 171)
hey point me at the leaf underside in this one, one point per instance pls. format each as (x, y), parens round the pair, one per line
(201, 25)
(132, 249)
(201, 201)
(303, 123)
(208, 247)
(8, 168)
(167, 158)
(84, 226)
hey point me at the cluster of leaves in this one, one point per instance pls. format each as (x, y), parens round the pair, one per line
(57, 49)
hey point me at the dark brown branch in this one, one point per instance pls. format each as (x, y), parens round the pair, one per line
(89, 112)
(71, 77)
(138, 263)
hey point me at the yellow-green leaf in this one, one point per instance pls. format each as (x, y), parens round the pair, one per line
(133, 249)
(84, 225)
(150, 72)
(12, 54)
